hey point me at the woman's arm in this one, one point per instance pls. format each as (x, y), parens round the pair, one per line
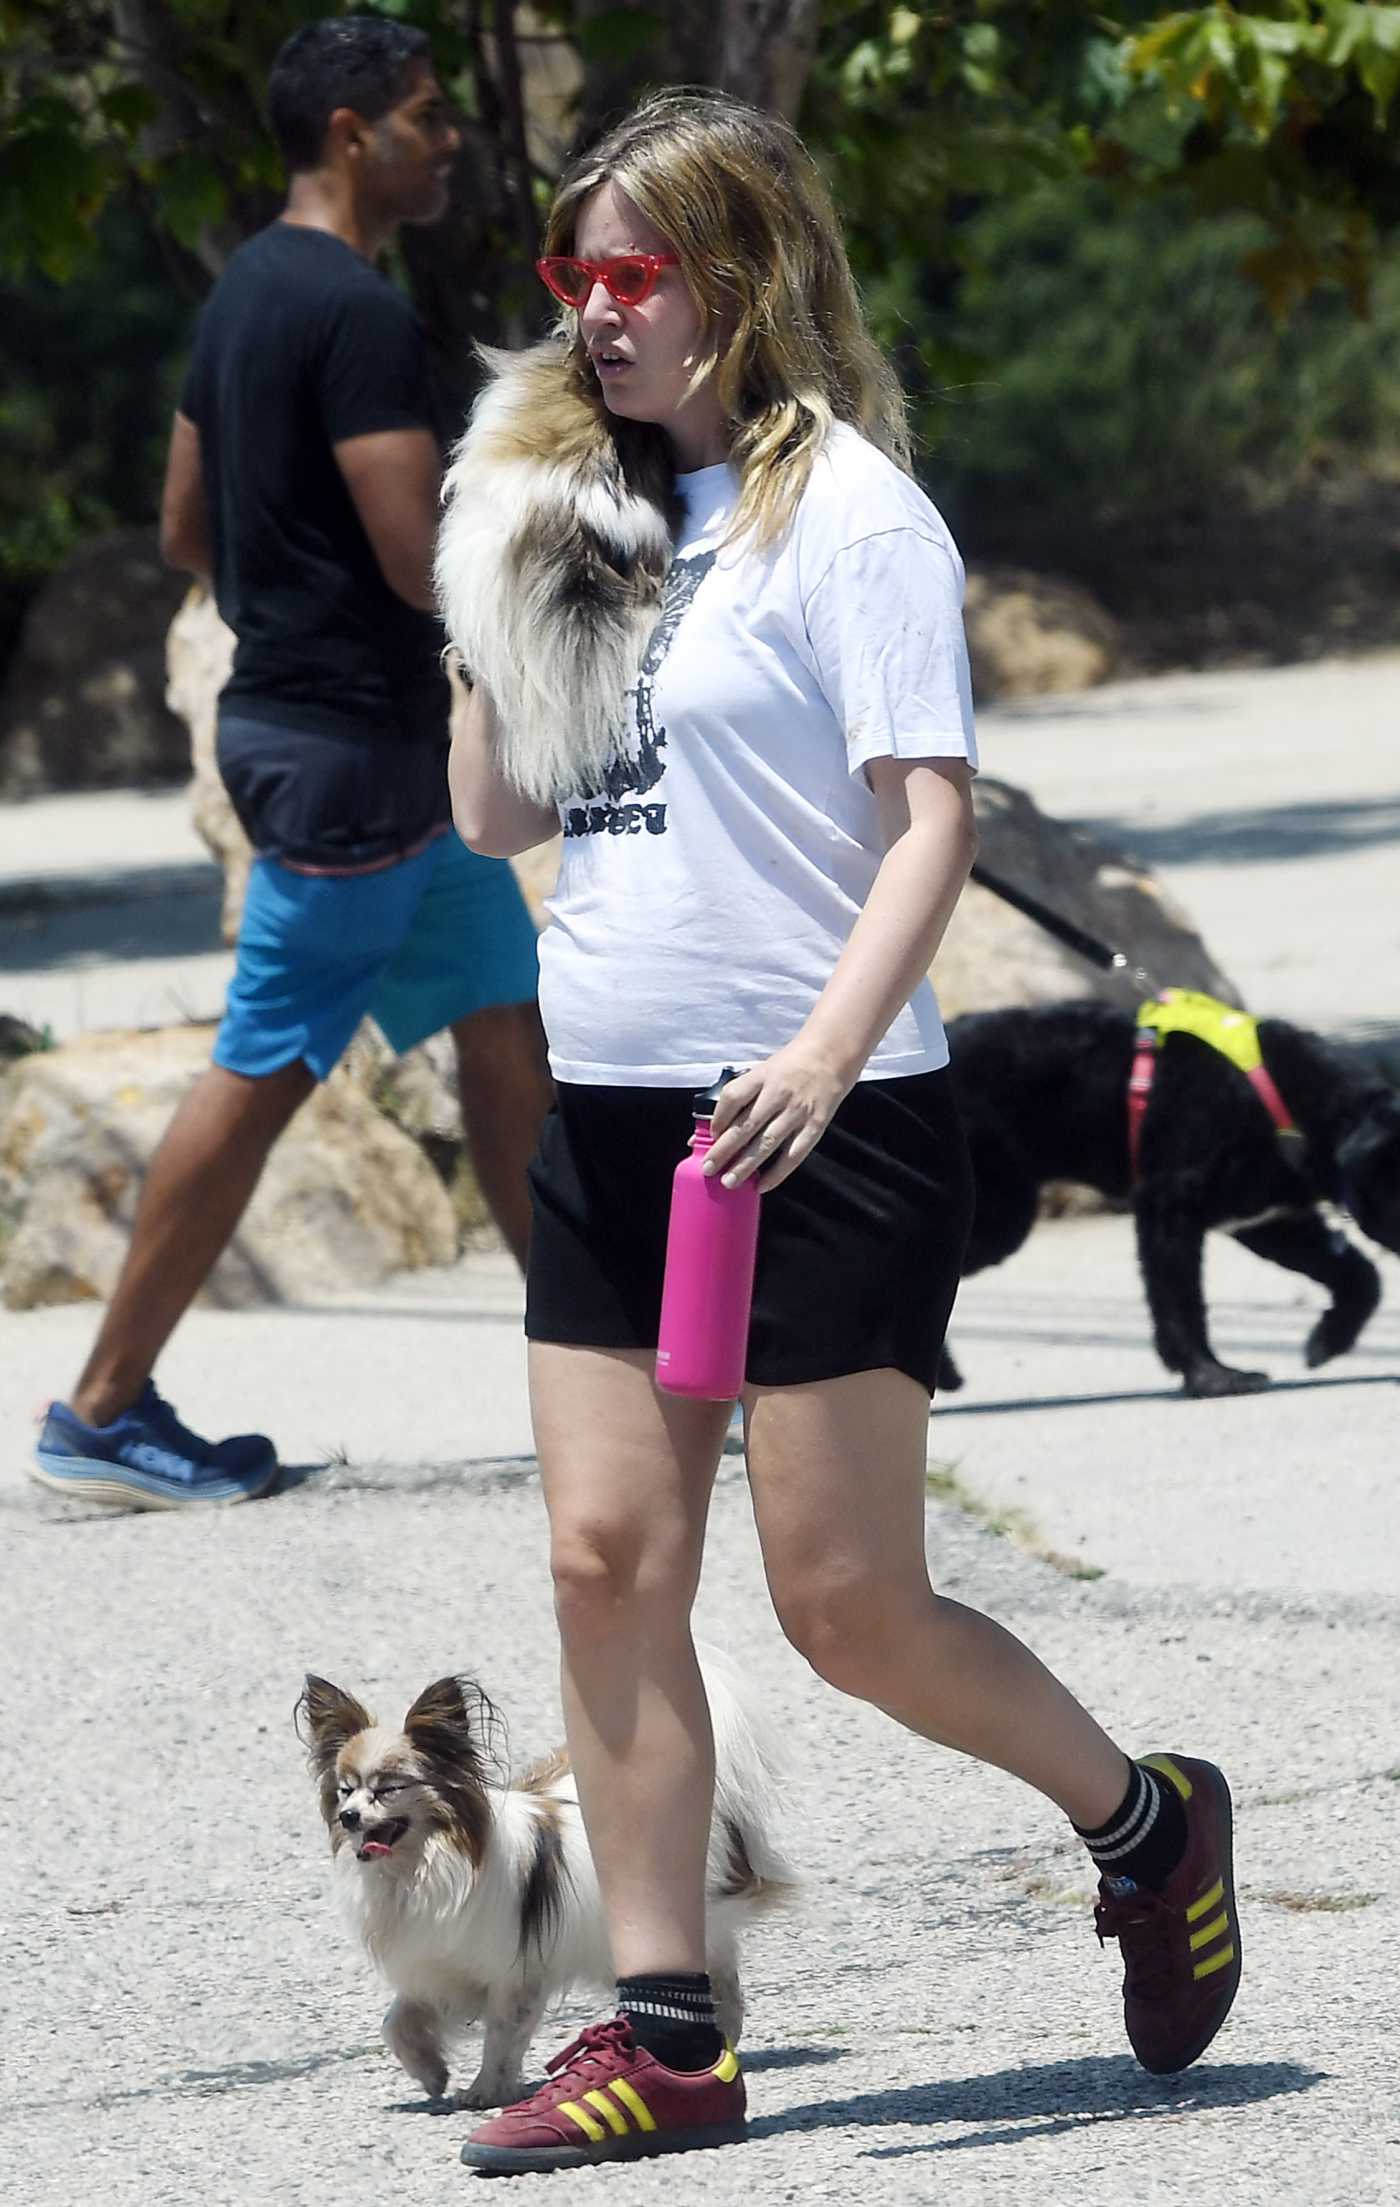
(488, 814)
(930, 838)
(786, 1103)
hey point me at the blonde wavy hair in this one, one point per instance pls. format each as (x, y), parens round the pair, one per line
(745, 209)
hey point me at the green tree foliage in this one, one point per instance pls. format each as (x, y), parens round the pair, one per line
(1113, 362)
(1283, 112)
(1051, 208)
(1282, 109)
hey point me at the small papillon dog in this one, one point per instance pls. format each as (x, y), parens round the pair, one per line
(475, 1893)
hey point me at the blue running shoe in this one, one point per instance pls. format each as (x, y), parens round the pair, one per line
(148, 1460)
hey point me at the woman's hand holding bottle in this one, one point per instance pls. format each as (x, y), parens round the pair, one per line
(772, 1116)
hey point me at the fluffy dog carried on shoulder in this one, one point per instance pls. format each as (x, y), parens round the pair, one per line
(475, 1894)
(555, 544)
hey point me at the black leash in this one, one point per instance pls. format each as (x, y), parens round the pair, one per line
(1110, 960)
(1065, 931)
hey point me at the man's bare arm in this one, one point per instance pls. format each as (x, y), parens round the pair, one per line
(393, 476)
(184, 518)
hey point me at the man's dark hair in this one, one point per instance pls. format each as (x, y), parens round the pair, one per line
(358, 61)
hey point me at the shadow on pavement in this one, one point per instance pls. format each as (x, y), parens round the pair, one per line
(344, 1476)
(945, 1409)
(1260, 835)
(790, 2057)
(235, 2076)
(1042, 2101)
(773, 2057)
(334, 1475)
(158, 912)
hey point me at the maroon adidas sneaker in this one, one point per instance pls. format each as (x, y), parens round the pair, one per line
(1180, 1945)
(610, 2100)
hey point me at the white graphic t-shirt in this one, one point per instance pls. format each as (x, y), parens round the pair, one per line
(706, 891)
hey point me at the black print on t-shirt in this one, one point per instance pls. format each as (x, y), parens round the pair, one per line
(640, 771)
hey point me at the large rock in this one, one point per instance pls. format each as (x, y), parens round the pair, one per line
(418, 1093)
(18, 1039)
(992, 956)
(1028, 634)
(346, 1198)
(84, 705)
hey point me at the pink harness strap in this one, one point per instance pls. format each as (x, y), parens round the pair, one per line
(1140, 1080)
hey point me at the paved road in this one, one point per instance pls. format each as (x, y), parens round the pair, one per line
(1269, 802)
(184, 2019)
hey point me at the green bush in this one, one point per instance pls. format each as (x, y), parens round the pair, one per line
(1113, 359)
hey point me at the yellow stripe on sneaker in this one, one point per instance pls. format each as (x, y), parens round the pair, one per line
(632, 2098)
(1217, 1961)
(612, 2116)
(1207, 1901)
(1168, 1768)
(727, 2067)
(585, 2121)
(1209, 1931)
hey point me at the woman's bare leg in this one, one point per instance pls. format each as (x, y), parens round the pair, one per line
(838, 1477)
(627, 1479)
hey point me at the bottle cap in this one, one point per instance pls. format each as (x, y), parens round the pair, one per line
(704, 1101)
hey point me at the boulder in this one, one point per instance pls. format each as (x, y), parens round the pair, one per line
(18, 1039)
(84, 703)
(418, 1093)
(347, 1197)
(993, 957)
(1028, 634)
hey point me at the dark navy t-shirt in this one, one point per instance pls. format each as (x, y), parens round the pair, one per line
(333, 724)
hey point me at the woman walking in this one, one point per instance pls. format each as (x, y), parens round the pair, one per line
(715, 632)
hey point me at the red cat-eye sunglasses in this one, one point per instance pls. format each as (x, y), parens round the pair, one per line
(627, 277)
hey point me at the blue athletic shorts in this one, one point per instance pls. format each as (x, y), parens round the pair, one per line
(417, 945)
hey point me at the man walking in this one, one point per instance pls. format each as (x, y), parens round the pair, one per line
(303, 481)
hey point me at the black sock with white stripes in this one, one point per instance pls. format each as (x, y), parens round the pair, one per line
(673, 2017)
(1145, 1837)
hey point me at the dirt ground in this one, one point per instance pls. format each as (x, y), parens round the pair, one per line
(1308, 576)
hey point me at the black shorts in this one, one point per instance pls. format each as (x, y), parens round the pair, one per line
(859, 1250)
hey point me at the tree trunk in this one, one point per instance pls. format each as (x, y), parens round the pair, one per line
(761, 50)
(766, 49)
(156, 44)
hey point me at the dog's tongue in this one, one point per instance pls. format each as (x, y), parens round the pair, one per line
(372, 1847)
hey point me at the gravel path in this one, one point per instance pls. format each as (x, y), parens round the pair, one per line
(186, 2020)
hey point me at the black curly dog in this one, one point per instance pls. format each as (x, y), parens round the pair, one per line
(1044, 1097)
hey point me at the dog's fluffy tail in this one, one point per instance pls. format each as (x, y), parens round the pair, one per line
(746, 1860)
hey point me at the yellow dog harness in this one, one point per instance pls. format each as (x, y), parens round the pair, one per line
(1233, 1033)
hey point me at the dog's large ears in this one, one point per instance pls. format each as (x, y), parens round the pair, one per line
(325, 1718)
(459, 1733)
(453, 1723)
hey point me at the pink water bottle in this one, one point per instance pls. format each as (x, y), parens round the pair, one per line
(710, 1248)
